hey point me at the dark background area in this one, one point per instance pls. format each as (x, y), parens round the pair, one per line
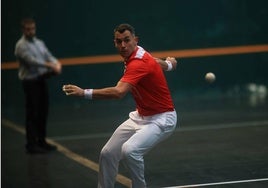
(85, 27)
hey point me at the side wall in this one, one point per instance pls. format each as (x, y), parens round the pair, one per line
(85, 27)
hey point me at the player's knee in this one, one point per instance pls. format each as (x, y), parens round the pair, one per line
(128, 151)
(105, 154)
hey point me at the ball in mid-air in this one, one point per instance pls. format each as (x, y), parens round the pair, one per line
(210, 77)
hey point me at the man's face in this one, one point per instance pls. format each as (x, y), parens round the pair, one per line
(125, 43)
(29, 30)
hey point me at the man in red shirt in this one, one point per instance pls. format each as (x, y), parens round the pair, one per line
(154, 118)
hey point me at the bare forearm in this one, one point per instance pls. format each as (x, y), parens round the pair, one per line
(107, 93)
(162, 63)
(169, 64)
(116, 92)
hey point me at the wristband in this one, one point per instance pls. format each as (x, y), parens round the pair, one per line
(88, 93)
(169, 64)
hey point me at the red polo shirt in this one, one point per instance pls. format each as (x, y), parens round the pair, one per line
(150, 89)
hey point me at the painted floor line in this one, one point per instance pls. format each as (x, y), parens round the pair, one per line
(220, 183)
(181, 129)
(69, 154)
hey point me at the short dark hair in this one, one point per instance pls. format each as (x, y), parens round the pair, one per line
(124, 27)
(25, 21)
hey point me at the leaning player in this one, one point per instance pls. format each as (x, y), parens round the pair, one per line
(154, 118)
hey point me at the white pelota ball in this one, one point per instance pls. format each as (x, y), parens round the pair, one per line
(210, 77)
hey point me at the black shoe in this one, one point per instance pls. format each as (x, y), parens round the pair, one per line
(47, 146)
(36, 150)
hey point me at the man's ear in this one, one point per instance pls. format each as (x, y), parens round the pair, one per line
(137, 39)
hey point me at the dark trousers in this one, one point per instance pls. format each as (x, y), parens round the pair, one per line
(37, 104)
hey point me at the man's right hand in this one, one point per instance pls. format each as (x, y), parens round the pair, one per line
(55, 67)
(73, 90)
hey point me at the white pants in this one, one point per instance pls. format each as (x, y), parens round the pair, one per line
(130, 141)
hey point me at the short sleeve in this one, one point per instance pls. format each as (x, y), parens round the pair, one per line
(135, 71)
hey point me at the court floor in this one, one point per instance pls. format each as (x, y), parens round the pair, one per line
(219, 142)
